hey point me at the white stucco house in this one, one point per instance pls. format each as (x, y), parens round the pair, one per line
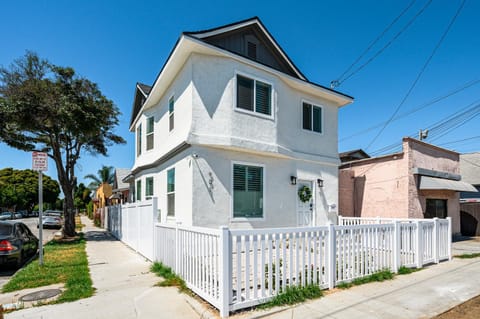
(231, 130)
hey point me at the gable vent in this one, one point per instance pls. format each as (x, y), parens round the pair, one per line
(252, 50)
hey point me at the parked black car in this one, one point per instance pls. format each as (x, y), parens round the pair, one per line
(17, 243)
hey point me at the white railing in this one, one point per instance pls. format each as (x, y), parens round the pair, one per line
(432, 237)
(234, 269)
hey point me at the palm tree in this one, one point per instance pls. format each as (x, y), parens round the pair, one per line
(105, 175)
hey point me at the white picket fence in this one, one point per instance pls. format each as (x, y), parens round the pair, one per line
(234, 269)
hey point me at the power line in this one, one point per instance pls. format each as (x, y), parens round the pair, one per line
(416, 109)
(386, 45)
(337, 82)
(462, 140)
(442, 127)
(427, 62)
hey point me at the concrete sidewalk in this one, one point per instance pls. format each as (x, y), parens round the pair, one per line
(124, 287)
(125, 290)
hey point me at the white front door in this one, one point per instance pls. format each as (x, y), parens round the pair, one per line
(305, 216)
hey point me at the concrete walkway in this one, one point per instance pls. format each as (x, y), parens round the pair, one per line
(124, 287)
(125, 290)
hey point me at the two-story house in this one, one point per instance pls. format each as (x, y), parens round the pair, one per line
(232, 133)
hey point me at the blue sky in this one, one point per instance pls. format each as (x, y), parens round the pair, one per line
(117, 43)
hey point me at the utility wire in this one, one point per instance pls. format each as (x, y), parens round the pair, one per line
(462, 140)
(442, 127)
(415, 109)
(386, 45)
(337, 82)
(419, 74)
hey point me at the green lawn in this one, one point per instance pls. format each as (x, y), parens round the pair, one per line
(64, 262)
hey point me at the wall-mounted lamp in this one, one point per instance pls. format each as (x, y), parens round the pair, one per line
(194, 155)
(293, 180)
(320, 182)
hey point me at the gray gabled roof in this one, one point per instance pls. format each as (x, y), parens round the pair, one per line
(470, 168)
(120, 174)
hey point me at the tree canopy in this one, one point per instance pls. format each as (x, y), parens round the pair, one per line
(104, 175)
(19, 189)
(48, 108)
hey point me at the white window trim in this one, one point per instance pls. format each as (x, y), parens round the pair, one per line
(171, 96)
(244, 219)
(138, 146)
(323, 117)
(153, 186)
(147, 134)
(170, 217)
(254, 113)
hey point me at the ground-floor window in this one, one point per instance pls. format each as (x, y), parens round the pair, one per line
(139, 190)
(171, 192)
(247, 191)
(436, 208)
(149, 187)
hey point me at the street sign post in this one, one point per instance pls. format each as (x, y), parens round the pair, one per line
(40, 164)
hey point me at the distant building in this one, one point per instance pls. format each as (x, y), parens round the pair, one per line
(470, 202)
(421, 181)
(120, 189)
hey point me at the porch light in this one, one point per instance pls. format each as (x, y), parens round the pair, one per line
(320, 182)
(293, 180)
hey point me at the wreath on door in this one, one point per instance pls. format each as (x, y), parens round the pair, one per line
(305, 194)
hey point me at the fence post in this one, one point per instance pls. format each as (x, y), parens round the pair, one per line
(340, 220)
(449, 238)
(419, 248)
(378, 220)
(154, 222)
(177, 248)
(397, 258)
(436, 241)
(332, 256)
(225, 271)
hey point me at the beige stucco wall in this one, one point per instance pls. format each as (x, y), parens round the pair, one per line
(386, 186)
(423, 155)
(379, 188)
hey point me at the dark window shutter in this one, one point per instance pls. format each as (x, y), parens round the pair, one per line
(239, 180)
(317, 119)
(255, 182)
(307, 116)
(263, 98)
(244, 93)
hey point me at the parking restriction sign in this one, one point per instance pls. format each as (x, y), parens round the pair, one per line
(39, 161)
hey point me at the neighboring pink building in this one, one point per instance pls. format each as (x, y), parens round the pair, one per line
(422, 181)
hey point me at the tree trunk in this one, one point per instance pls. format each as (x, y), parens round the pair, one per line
(69, 213)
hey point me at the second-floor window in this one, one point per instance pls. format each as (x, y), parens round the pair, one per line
(150, 135)
(171, 111)
(312, 117)
(254, 96)
(149, 187)
(139, 139)
(171, 192)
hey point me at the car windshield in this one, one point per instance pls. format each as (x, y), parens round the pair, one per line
(5, 229)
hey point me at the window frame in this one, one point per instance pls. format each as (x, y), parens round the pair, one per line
(138, 190)
(169, 215)
(322, 121)
(171, 113)
(139, 139)
(152, 133)
(149, 195)
(255, 80)
(264, 202)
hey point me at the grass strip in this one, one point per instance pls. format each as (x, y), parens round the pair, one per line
(170, 278)
(468, 256)
(64, 262)
(293, 295)
(375, 277)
